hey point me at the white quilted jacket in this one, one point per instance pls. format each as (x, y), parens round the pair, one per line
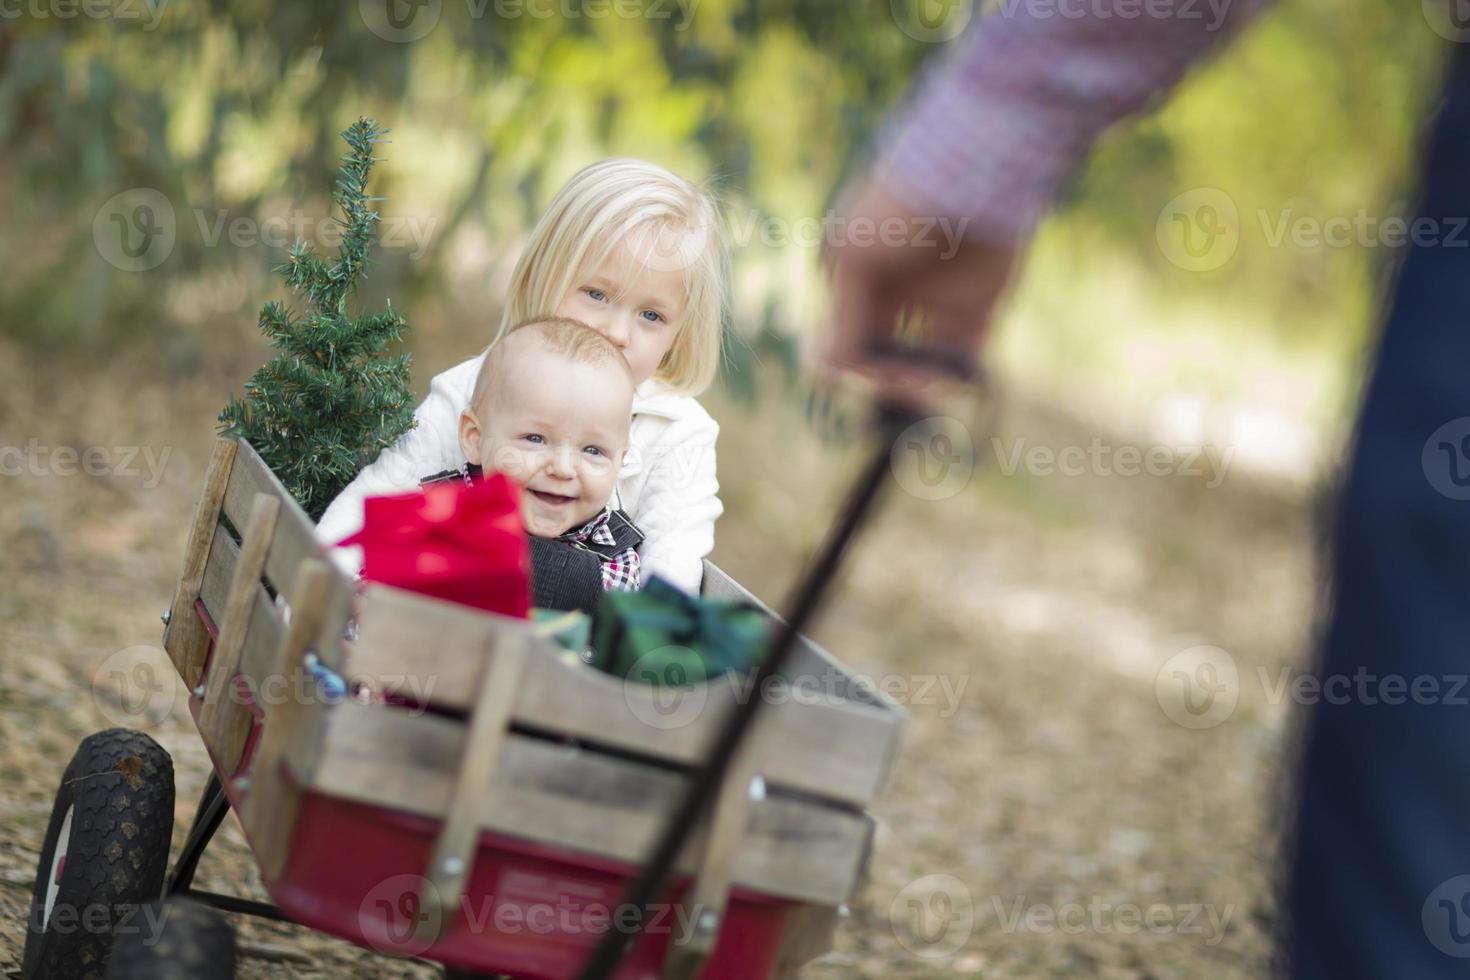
(667, 486)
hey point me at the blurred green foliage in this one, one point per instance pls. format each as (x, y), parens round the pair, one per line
(231, 110)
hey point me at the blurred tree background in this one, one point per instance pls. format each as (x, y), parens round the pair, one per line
(230, 112)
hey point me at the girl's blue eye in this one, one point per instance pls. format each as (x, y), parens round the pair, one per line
(597, 294)
(652, 316)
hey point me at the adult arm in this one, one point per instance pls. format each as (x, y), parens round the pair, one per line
(989, 136)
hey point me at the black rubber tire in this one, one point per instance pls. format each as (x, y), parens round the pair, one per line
(120, 789)
(177, 939)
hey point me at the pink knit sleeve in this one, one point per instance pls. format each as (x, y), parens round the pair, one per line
(997, 125)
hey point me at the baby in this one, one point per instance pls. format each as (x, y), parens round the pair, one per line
(551, 409)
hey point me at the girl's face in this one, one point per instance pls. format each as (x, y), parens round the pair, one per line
(635, 306)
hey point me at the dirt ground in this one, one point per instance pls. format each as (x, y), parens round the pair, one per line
(1048, 816)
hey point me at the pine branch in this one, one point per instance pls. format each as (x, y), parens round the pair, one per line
(329, 401)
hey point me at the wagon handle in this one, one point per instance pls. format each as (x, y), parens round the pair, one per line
(892, 420)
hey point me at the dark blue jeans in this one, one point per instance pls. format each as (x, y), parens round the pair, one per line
(1382, 833)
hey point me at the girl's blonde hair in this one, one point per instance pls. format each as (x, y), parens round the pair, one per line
(623, 200)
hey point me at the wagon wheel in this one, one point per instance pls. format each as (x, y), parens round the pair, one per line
(177, 939)
(104, 855)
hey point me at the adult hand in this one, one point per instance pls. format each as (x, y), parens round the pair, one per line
(881, 279)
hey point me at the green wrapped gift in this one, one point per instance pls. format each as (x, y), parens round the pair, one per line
(568, 629)
(663, 635)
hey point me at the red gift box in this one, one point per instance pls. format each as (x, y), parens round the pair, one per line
(464, 543)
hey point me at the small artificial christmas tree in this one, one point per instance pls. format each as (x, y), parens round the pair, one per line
(324, 406)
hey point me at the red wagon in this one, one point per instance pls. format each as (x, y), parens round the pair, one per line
(482, 806)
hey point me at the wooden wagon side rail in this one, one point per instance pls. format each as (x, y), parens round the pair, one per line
(813, 739)
(572, 798)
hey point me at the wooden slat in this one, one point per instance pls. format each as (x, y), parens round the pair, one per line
(295, 538)
(807, 933)
(185, 638)
(267, 626)
(225, 723)
(488, 729)
(269, 809)
(710, 891)
(581, 800)
(833, 749)
(224, 553)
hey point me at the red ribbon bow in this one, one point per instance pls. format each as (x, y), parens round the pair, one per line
(464, 543)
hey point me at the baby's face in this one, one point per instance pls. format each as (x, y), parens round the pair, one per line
(559, 428)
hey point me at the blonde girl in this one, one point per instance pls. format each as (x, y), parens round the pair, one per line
(636, 253)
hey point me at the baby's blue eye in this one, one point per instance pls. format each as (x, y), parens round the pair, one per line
(533, 437)
(594, 450)
(597, 294)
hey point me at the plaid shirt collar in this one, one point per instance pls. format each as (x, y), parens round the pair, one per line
(595, 530)
(620, 572)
